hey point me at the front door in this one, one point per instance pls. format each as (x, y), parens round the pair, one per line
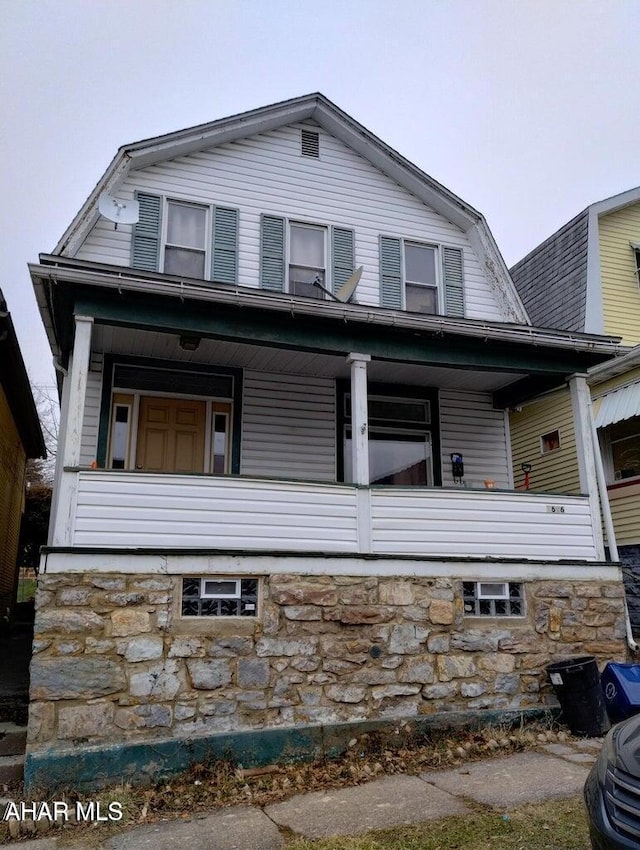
(171, 435)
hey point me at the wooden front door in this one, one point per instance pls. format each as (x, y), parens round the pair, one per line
(171, 435)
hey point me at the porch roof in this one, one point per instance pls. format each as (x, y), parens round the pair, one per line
(114, 296)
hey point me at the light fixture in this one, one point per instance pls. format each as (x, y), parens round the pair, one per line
(189, 343)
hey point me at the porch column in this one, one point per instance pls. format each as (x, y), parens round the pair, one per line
(74, 390)
(359, 418)
(77, 378)
(580, 398)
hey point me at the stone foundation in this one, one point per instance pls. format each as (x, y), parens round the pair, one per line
(115, 664)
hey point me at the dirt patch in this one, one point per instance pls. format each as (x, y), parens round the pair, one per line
(370, 756)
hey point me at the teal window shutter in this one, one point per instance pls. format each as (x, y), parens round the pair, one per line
(390, 273)
(272, 258)
(224, 262)
(452, 266)
(341, 256)
(145, 249)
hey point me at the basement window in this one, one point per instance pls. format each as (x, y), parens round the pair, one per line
(493, 599)
(219, 596)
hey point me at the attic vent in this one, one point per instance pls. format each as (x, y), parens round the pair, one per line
(310, 144)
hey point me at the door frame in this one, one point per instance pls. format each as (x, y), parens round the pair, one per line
(169, 366)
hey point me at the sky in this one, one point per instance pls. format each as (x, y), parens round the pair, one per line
(529, 110)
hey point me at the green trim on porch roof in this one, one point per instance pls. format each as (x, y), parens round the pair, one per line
(320, 335)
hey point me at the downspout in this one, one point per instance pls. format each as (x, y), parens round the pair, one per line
(605, 507)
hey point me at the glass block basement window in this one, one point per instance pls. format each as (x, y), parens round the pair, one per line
(493, 599)
(220, 597)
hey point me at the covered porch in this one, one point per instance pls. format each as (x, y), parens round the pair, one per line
(322, 428)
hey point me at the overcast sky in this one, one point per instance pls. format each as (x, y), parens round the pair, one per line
(529, 110)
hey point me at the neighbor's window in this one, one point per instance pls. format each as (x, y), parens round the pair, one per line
(493, 598)
(220, 596)
(421, 284)
(550, 442)
(625, 448)
(185, 249)
(307, 260)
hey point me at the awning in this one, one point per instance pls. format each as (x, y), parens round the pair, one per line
(618, 405)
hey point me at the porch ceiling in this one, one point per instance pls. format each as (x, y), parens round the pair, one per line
(308, 337)
(109, 339)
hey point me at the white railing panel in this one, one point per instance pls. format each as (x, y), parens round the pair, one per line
(116, 509)
(137, 509)
(481, 524)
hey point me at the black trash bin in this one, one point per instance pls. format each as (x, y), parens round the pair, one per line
(576, 682)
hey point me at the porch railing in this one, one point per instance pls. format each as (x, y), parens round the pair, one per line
(133, 509)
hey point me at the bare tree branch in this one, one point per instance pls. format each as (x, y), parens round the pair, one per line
(46, 398)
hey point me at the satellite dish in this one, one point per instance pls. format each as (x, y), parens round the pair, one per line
(345, 293)
(121, 212)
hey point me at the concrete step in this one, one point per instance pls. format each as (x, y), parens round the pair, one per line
(13, 739)
(11, 769)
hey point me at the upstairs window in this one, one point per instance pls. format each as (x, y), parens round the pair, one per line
(421, 283)
(421, 278)
(307, 260)
(185, 248)
(185, 239)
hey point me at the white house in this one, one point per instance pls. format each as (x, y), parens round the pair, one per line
(260, 528)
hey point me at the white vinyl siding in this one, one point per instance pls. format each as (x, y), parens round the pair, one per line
(112, 509)
(91, 420)
(288, 427)
(470, 426)
(464, 523)
(137, 509)
(265, 174)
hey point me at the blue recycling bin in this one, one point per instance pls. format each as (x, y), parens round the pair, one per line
(621, 688)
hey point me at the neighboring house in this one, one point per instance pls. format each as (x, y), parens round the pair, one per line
(586, 278)
(20, 439)
(261, 531)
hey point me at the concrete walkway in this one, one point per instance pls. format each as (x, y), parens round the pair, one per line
(554, 771)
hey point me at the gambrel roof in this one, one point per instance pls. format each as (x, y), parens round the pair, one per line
(559, 281)
(317, 108)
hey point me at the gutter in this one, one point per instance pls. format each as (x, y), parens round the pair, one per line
(247, 297)
(613, 368)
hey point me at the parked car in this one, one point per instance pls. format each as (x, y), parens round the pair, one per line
(612, 790)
